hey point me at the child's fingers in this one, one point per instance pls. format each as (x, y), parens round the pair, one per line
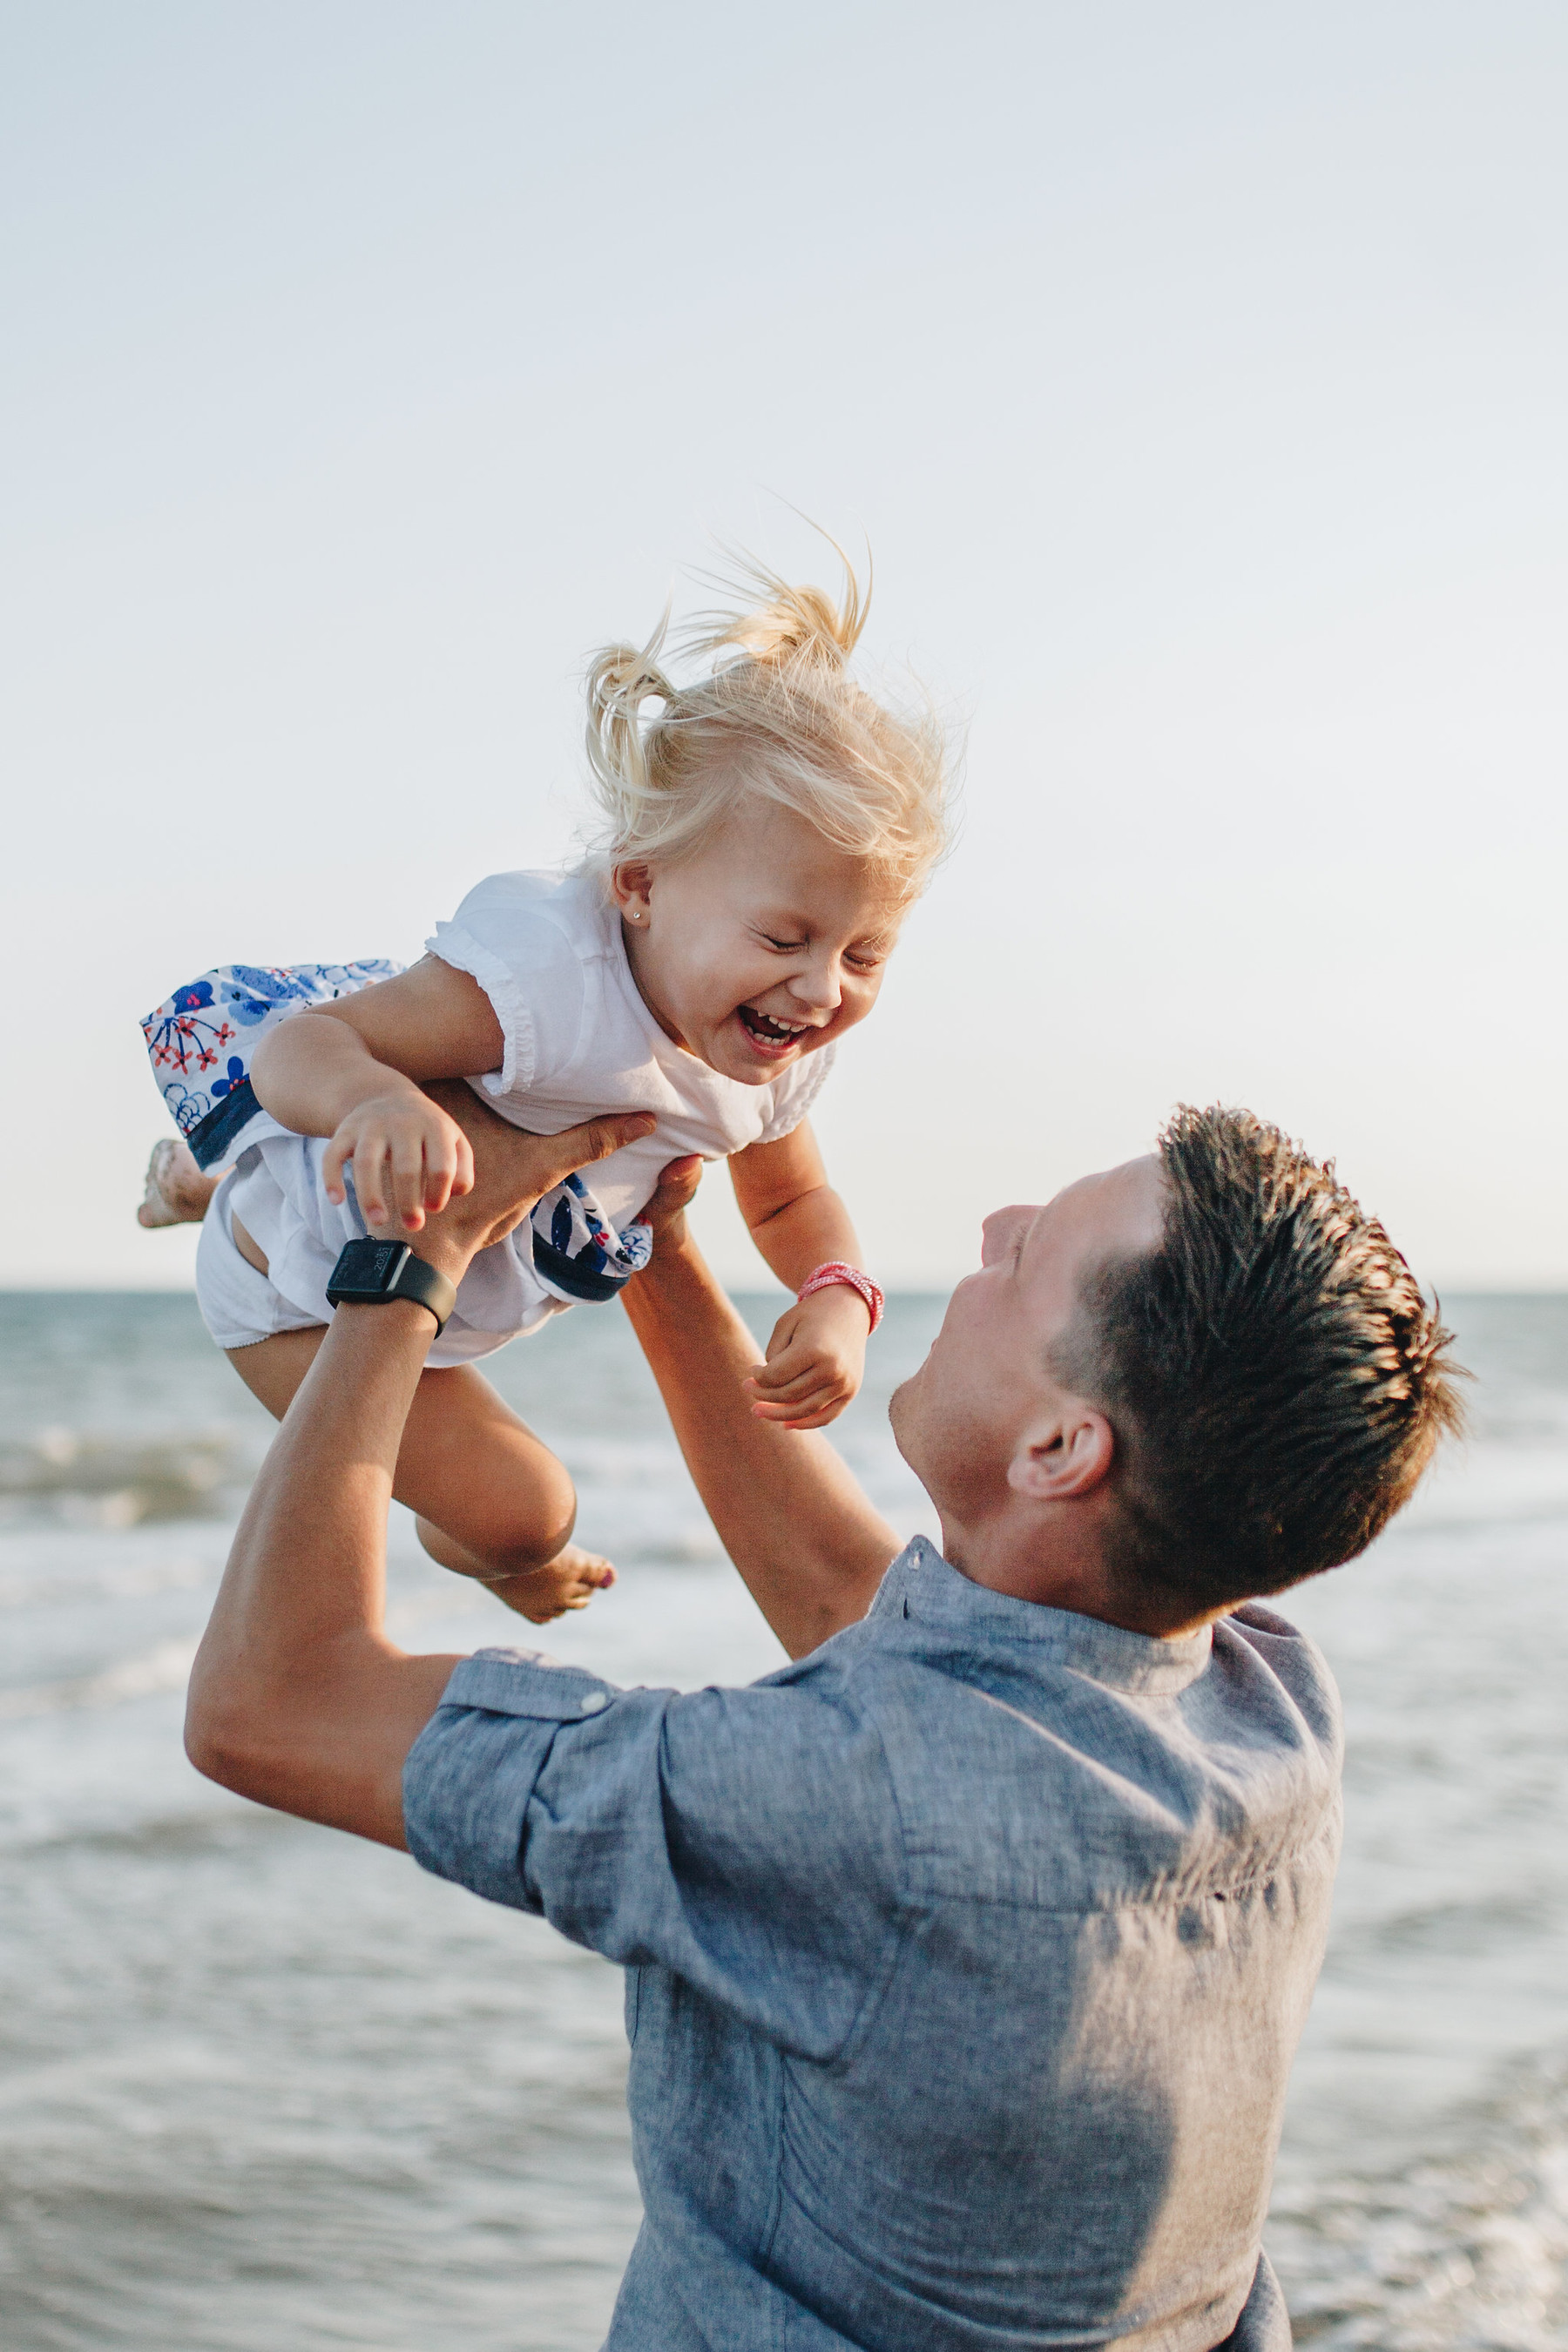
(408, 1154)
(440, 1168)
(794, 1415)
(400, 1174)
(370, 1161)
(337, 1152)
(821, 1417)
(791, 1414)
(796, 1399)
(794, 1392)
(780, 1369)
(442, 1161)
(810, 1374)
(463, 1178)
(783, 1336)
(438, 1189)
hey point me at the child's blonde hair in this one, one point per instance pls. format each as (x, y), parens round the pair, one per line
(781, 719)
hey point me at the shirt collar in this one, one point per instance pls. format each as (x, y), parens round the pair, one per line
(923, 1587)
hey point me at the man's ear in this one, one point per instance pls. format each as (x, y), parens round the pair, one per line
(1065, 1457)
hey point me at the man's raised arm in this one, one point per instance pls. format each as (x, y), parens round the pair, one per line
(804, 1538)
(296, 1698)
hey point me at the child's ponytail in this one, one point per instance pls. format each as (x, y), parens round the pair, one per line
(777, 717)
(621, 678)
(788, 625)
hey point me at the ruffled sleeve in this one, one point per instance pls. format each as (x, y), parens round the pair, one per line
(504, 936)
(795, 1093)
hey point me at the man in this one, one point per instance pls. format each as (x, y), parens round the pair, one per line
(969, 1953)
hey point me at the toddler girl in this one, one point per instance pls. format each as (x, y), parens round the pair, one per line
(764, 831)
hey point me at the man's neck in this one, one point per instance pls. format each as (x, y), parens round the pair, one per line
(1064, 1568)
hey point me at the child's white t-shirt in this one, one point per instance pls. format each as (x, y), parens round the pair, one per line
(548, 952)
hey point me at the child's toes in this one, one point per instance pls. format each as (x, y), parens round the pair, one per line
(568, 1581)
(593, 1574)
(154, 1209)
(176, 1191)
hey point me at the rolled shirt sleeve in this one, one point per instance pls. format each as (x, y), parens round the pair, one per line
(748, 1840)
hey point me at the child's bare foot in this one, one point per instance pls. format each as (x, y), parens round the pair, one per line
(177, 1192)
(568, 1581)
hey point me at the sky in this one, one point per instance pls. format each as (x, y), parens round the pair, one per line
(1197, 377)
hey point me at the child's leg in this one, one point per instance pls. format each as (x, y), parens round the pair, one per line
(492, 1501)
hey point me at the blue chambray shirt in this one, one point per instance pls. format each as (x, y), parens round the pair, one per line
(966, 1958)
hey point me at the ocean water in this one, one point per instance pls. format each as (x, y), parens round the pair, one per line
(262, 2087)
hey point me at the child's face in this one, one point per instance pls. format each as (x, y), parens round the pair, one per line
(762, 946)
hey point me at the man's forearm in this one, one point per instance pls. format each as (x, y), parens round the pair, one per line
(803, 1537)
(296, 1698)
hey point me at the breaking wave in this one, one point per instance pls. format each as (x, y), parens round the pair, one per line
(114, 1483)
(1466, 2250)
(164, 1668)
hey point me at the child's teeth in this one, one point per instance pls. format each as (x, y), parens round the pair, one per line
(769, 1025)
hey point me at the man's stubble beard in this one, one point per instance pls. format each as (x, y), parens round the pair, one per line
(899, 1415)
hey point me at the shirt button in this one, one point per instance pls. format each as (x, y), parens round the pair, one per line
(592, 1701)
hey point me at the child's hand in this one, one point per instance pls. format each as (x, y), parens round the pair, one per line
(409, 1158)
(816, 1358)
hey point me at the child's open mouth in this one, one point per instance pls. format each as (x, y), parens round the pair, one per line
(769, 1035)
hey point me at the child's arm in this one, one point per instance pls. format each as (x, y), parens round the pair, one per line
(817, 1355)
(352, 1070)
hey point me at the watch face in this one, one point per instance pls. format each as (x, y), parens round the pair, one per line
(369, 1265)
(369, 1273)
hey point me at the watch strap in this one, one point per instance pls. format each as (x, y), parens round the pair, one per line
(420, 1281)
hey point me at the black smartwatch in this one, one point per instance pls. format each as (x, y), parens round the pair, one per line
(369, 1273)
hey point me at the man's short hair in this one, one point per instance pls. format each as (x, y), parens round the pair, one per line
(1275, 1377)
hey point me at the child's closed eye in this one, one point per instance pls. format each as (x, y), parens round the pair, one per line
(859, 959)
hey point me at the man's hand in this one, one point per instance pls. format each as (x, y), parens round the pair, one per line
(513, 1170)
(675, 1190)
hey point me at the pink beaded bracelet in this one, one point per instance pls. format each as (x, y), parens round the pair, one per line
(852, 1278)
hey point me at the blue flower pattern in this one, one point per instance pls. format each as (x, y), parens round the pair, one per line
(187, 1034)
